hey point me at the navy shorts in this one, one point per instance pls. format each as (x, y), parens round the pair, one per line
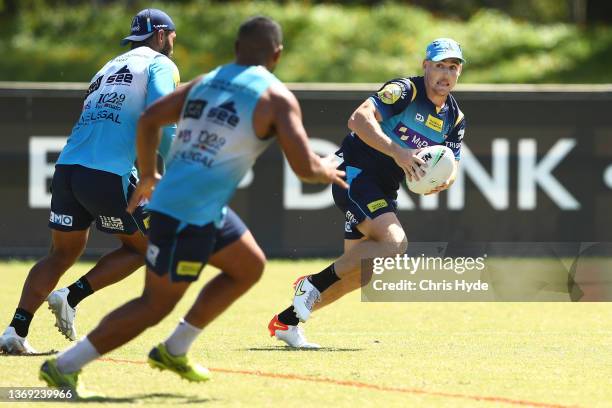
(363, 199)
(80, 195)
(184, 249)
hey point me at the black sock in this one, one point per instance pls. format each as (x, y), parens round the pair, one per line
(324, 279)
(288, 317)
(21, 321)
(79, 290)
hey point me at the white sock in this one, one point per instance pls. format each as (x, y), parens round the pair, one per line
(180, 340)
(77, 356)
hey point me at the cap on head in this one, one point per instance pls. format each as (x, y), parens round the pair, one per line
(443, 48)
(147, 22)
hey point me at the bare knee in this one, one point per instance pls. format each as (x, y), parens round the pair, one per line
(251, 270)
(64, 257)
(156, 308)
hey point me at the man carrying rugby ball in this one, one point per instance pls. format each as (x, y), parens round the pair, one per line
(387, 131)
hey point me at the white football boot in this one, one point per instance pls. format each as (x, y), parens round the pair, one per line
(12, 343)
(293, 336)
(304, 299)
(64, 313)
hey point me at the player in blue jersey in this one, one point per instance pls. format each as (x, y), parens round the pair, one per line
(95, 176)
(388, 129)
(227, 118)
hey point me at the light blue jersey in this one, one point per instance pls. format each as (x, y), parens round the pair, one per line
(104, 136)
(215, 146)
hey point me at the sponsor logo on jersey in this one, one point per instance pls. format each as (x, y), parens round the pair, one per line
(94, 86)
(419, 118)
(112, 100)
(377, 205)
(390, 93)
(412, 139)
(194, 108)
(61, 219)
(113, 223)
(121, 77)
(210, 142)
(434, 123)
(187, 268)
(453, 145)
(94, 116)
(152, 253)
(224, 115)
(146, 221)
(460, 134)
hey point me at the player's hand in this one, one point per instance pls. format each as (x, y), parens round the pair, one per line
(143, 191)
(441, 187)
(331, 174)
(411, 164)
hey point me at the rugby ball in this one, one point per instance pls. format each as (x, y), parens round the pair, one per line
(440, 164)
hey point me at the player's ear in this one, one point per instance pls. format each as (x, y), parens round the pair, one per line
(424, 64)
(277, 53)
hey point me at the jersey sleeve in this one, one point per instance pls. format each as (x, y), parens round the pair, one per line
(163, 79)
(455, 138)
(394, 97)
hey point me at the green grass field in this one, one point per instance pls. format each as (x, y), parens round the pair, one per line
(379, 354)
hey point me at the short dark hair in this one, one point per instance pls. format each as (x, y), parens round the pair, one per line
(261, 29)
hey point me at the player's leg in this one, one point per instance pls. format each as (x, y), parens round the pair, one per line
(241, 262)
(347, 284)
(159, 297)
(118, 264)
(69, 223)
(176, 254)
(370, 212)
(104, 195)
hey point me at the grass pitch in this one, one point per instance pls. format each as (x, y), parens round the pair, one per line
(381, 354)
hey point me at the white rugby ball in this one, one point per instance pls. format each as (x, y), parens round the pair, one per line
(440, 164)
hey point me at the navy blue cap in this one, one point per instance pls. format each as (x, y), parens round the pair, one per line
(147, 22)
(443, 48)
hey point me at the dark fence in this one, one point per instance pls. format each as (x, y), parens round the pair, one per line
(537, 166)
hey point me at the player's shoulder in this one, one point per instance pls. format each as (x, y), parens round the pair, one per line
(162, 63)
(396, 89)
(455, 110)
(162, 60)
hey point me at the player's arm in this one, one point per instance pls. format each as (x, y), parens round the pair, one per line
(391, 99)
(286, 120)
(163, 79)
(164, 111)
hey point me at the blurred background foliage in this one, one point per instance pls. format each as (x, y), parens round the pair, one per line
(520, 41)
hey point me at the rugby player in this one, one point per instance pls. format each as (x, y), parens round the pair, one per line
(387, 131)
(95, 176)
(226, 120)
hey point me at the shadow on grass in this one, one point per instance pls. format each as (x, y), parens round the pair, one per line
(42, 353)
(287, 348)
(168, 399)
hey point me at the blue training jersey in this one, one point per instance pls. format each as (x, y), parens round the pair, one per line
(215, 145)
(104, 138)
(411, 120)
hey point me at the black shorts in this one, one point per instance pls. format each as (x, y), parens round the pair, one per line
(80, 195)
(184, 249)
(364, 198)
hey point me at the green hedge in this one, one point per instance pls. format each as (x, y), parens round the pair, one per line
(323, 43)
